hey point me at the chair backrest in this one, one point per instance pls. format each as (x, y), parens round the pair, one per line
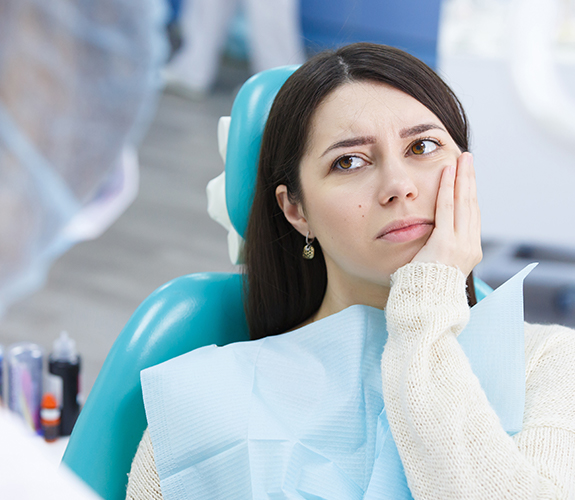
(186, 313)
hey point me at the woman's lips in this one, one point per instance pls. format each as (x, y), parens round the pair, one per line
(407, 230)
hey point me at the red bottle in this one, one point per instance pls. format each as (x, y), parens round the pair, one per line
(50, 417)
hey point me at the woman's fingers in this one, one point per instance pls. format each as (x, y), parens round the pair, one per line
(475, 216)
(444, 207)
(467, 221)
(456, 239)
(441, 243)
(463, 195)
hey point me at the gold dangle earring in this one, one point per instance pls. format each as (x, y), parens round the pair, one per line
(308, 250)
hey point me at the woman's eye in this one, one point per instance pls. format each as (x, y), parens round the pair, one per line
(423, 147)
(349, 163)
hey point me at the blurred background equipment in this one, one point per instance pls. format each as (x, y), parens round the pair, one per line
(272, 33)
(412, 25)
(512, 64)
(549, 294)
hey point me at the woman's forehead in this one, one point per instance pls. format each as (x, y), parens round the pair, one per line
(365, 107)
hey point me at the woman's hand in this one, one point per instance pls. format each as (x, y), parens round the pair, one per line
(456, 238)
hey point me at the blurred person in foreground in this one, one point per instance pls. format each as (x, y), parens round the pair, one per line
(28, 469)
(78, 83)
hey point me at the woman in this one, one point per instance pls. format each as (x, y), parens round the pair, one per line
(364, 168)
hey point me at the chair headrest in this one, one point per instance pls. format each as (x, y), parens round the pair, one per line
(249, 115)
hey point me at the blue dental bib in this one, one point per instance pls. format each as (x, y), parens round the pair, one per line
(301, 415)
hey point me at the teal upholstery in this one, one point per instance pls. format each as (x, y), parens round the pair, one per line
(186, 313)
(249, 114)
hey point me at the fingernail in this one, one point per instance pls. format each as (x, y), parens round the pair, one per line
(451, 170)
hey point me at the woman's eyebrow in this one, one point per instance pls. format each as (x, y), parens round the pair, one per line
(349, 143)
(419, 129)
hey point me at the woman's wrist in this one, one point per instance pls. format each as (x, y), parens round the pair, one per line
(434, 279)
(423, 293)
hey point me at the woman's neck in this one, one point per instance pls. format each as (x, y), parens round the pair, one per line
(340, 295)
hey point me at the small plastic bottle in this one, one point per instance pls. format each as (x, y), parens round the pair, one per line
(65, 362)
(24, 362)
(50, 417)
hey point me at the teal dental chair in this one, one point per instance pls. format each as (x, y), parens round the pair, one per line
(184, 314)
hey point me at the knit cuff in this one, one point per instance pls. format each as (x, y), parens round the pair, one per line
(431, 281)
(423, 293)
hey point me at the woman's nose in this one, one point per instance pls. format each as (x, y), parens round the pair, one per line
(396, 183)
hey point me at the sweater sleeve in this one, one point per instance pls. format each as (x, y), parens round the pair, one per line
(450, 440)
(143, 480)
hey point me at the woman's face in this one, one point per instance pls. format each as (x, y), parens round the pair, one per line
(370, 177)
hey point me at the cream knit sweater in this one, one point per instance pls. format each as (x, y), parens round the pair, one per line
(449, 438)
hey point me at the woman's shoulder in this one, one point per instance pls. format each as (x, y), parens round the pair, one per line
(551, 334)
(550, 345)
(550, 377)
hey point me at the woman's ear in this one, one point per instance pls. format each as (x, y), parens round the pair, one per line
(293, 211)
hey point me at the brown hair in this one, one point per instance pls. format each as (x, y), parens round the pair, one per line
(282, 289)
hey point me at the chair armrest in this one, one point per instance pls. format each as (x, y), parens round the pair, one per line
(186, 313)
